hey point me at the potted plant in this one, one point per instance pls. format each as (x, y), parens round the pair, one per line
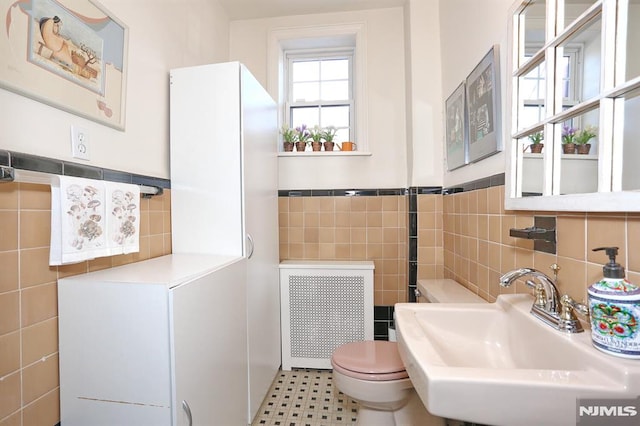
(536, 142)
(327, 135)
(289, 137)
(315, 134)
(302, 137)
(582, 139)
(568, 140)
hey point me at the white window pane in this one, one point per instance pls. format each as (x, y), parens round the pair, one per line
(336, 69)
(342, 135)
(529, 89)
(305, 92)
(565, 66)
(335, 90)
(305, 115)
(542, 69)
(565, 89)
(306, 71)
(335, 116)
(530, 115)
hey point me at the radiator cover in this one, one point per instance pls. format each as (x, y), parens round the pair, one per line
(324, 304)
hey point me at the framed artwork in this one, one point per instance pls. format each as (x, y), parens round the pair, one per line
(483, 107)
(70, 54)
(456, 137)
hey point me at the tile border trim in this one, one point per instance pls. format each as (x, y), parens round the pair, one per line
(66, 168)
(486, 182)
(359, 192)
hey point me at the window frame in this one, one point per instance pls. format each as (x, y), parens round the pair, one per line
(314, 54)
(353, 34)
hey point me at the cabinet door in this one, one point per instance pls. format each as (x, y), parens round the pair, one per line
(210, 347)
(206, 207)
(114, 359)
(260, 183)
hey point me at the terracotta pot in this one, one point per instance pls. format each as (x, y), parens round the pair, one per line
(536, 148)
(316, 146)
(328, 146)
(301, 146)
(584, 148)
(569, 148)
(288, 146)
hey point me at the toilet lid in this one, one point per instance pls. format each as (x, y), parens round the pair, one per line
(378, 359)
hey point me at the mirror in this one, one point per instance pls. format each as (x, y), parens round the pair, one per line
(632, 59)
(579, 159)
(531, 96)
(630, 145)
(572, 80)
(533, 30)
(574, 8)
(532, 176)
(578, 64)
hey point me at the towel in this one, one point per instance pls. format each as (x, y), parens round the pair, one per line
(91, 218)
(123, 217)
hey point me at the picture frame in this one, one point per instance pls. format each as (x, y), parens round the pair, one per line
(483, 107)
(69, 54)
(456, 135)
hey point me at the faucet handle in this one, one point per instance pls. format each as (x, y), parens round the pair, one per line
(568, 320)
(569, 305)
(541, 295)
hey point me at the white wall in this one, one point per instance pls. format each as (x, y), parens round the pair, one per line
(424, 93)
(386, 128)
(162, 35)
(468, 29)
(447, 39)
(416, 57)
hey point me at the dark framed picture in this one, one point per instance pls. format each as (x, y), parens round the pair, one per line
(483, 107)
(456, 136)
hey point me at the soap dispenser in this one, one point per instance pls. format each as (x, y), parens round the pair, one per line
(614, 304)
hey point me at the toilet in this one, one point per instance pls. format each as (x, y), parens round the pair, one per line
(372, 373)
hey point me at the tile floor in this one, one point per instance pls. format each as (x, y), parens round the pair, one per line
(306, 397)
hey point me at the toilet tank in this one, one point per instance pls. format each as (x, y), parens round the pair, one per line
(445, 291)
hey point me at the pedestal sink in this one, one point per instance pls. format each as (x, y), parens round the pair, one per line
(496, 364)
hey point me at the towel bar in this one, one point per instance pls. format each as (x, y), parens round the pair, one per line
(10, 174)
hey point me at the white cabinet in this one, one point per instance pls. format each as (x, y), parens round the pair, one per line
(224, 197)
(141, 341)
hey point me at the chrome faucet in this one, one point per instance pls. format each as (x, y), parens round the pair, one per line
(558, 312)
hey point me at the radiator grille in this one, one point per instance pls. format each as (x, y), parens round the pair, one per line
(325, 313)
(324, 305)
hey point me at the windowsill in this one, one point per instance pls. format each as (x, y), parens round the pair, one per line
(582, 157)
(324, 154)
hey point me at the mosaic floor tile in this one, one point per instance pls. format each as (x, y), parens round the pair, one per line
(306, 397)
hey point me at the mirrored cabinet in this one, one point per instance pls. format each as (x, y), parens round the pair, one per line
(574, 106)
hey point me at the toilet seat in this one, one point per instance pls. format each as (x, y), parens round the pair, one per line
(375, 360)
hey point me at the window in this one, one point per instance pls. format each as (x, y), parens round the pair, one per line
(319, 90)
(533, 86)
(321, 50)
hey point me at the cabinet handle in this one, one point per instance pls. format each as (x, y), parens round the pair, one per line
(187, 410)
(251, 246)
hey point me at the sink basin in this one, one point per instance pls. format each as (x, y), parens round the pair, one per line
(496, 364)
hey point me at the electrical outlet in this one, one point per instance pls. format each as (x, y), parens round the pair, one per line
(79, 143)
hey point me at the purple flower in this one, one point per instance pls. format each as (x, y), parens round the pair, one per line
(568, 134)
(303, 133)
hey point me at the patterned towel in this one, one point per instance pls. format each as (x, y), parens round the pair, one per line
(91, 218)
